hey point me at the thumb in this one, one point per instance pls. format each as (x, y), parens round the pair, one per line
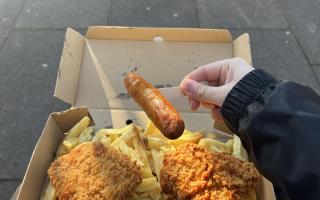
(204, 93)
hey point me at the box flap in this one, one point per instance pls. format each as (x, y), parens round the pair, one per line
(265, 189)
(241, 47)
(45, 150)
(168, 34)
(67, 119)
(163, 63)
(69, 69)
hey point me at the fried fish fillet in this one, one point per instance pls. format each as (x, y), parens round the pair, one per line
(91, 171)
(192, 172)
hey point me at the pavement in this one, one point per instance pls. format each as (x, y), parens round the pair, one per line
(285, 39)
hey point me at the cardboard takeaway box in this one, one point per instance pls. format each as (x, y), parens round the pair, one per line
(98, 62)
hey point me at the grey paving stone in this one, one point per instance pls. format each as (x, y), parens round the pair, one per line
(3, 35)
(304, 18)
(63, 13)
(9, 11)
(28, 68)
(240, 14)
(7, 188)
(316, 69)
(278, 53)
(162, 13)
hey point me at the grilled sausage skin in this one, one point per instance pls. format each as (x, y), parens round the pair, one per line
(156, 106)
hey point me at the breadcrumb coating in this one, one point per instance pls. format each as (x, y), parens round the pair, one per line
(92, 171)
(192, 172)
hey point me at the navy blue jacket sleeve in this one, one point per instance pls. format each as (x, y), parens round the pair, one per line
(279, 125)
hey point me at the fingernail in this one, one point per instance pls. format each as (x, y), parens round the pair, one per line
(190, 87)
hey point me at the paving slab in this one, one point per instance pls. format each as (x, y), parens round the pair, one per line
(63, 13)
(28, 68)
(316, 69)
(3, 35)
(7, 188)
(9, 11)
(304, 18)
(240, 14)
(163, 13)
(278, 53)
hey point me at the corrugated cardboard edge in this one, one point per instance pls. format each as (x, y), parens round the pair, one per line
(168, 34)
(69, 69)
(15, 194)
(67, 119)
(50, 138)
(265, 189)
(241, 48)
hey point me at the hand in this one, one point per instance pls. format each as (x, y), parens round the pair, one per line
(220, 77)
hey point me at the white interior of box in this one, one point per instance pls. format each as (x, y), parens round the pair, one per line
(161, 63)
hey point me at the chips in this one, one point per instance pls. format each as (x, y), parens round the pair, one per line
(49, 193)
(147, 148)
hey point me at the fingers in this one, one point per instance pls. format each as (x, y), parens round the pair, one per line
(220, 75)
(215, 110)
(208, 105)
(194, 104)
(204, 93)
(209, 72)
(216, 114)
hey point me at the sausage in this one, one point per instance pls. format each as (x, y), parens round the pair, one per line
(156, 106)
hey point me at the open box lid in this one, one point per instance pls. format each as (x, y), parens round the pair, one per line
(162, 55)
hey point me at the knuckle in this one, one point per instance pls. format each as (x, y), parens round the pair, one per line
(238, 60)
(202, 90)
(225, 66)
